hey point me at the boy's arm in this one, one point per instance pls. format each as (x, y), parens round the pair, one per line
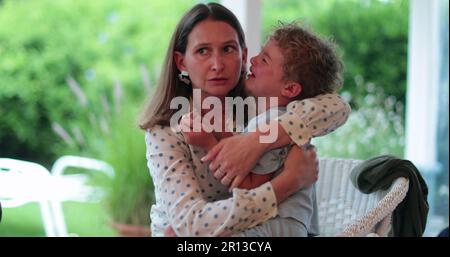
(253, 180)
(303, 120)
(202, 139)
(313, 117)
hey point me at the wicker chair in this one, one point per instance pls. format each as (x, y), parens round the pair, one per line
(345, 211)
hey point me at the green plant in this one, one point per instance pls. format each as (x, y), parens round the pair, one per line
(42, 42)
(111, 134)
(375, 128)
(130, 193)
(372, 36)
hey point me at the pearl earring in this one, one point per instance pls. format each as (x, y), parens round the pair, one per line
(184, 77)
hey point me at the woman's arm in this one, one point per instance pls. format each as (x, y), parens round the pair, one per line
(303, 120)
(301, 169)
(185, 204)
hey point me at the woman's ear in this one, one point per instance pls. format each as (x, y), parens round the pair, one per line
(179, 61)
(291, 89)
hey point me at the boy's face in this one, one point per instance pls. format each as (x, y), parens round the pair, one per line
(266, 72)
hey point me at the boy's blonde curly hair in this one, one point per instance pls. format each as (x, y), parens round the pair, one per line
(309, 60)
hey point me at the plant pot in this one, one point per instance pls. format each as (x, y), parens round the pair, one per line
(128, 230)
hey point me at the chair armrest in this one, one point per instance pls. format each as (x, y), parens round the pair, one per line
(382, 211)
(73, 186)
(80, 162)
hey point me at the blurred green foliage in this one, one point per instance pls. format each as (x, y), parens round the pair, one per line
(371, 34)
(376, 128)
(96, 42)
(111, 134)
(73, 75)
(131, 193)
(113, 50)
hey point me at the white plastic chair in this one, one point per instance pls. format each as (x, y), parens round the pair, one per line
(345, 211)
(23, 182)
(80, 191)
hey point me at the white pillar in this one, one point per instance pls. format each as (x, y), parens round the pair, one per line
(249, 14)
(422, 95)
(423, 75)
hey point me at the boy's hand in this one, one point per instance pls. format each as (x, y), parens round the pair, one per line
(169, 232)
(202, 139)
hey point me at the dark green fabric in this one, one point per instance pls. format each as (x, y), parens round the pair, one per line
(378, 173)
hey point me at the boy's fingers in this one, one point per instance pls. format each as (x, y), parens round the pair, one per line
(186, 122)
(186, 115)
(185, 128)
(183, 120)
(187, 118)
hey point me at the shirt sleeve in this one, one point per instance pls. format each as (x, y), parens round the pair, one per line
(179, 192)
(313, 117)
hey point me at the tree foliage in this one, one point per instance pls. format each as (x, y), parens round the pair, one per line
(44, 42)
(372, 36)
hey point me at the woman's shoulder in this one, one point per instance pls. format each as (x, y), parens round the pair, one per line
(163, 130)
(163, 133)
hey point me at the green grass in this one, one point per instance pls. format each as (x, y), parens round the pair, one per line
(22, 221)
(82, 219)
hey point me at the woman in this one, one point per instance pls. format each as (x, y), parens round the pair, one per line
(188, 197)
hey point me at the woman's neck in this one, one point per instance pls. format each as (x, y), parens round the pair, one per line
(223, 132)
(197, 103)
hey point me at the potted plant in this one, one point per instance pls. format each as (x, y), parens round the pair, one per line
(112, 135)
(129, 194)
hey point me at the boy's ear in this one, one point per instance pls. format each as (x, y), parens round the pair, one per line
(179, 61)
(291, 89)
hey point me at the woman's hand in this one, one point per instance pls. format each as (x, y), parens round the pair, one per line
(301, 170)
(303, 163)
(236, 156)
(202, 139)
(233, 158)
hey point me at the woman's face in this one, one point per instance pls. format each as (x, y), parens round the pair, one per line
(213, 58)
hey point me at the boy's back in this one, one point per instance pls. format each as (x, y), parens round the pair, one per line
(297, 215)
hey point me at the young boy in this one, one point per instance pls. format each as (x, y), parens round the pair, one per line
(303, 71)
